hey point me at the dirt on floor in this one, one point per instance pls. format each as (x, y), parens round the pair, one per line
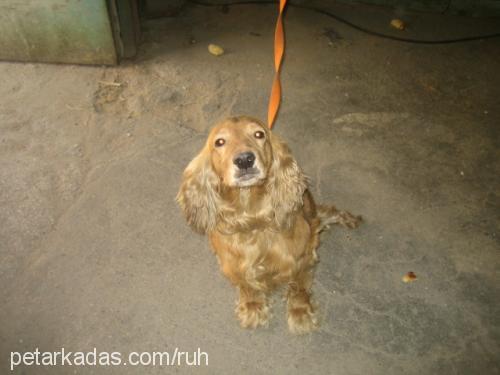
(96, 254)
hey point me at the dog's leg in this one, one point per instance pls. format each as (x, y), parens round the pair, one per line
(252, 309)
(301, 317)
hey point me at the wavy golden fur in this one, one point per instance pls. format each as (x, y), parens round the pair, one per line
(247, 193)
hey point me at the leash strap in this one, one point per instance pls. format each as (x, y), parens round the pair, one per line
(279, 48)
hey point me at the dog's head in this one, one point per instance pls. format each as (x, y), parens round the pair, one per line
(240, 153)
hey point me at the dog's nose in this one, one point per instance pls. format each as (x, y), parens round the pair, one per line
(244, 160)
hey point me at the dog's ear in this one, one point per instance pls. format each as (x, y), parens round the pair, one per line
(286, 183)
(198, 195)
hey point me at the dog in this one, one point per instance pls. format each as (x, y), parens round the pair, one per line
(247, 193)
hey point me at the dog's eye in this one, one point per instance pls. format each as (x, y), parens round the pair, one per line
(259, 134)
(219, 142)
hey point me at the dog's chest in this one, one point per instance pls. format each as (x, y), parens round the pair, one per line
(262, 254)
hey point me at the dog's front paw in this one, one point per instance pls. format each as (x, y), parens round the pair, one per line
(252, 314)
(301, 320)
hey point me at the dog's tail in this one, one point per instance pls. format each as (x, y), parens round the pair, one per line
(330, 215)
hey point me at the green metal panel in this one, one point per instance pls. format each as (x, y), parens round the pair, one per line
(65, 31)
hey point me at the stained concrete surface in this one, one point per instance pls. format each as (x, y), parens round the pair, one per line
(95, 252)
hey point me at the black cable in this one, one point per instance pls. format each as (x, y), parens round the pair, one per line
(354, 26)
(446, 8)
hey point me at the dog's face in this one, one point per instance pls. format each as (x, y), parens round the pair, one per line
(240, 152)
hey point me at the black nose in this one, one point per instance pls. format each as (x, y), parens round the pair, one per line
(244, 160)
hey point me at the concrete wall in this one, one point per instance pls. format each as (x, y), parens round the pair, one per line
(464, 7)
(480, 8)
(66, 31)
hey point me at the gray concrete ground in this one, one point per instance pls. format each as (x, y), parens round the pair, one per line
(95, 252)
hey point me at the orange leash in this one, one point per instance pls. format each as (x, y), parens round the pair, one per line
(279, 48)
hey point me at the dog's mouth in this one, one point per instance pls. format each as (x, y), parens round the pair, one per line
(247, 177)
(247, 174)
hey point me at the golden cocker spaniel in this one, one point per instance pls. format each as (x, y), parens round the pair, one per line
(246, 191)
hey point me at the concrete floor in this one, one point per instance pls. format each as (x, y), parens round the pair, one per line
(95, 252)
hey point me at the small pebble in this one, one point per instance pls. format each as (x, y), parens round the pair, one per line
(409, 277)
(215, 50)
(398, 24)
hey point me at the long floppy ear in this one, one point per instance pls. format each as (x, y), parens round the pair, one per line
(286, 183)
(198, 196)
